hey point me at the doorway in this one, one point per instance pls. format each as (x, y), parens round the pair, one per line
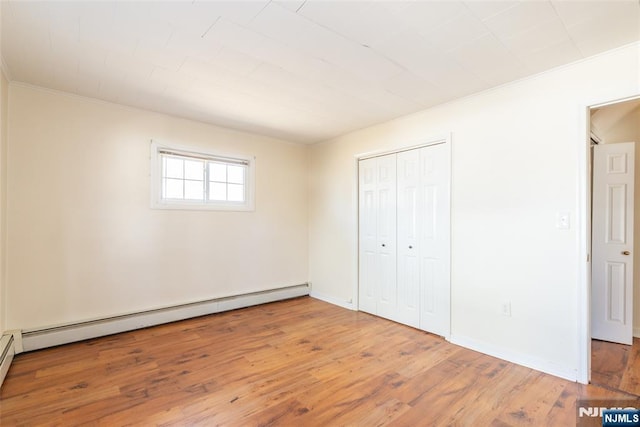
(615, 284)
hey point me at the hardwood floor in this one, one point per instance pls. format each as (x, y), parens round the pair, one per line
(300, 362)
(616, 365)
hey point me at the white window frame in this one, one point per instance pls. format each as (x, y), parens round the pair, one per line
(157, 202)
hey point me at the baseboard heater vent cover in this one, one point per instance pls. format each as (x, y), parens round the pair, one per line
(7, 351)
(64, 334)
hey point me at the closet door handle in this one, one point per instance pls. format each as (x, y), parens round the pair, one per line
(383, 245)
(410, 247)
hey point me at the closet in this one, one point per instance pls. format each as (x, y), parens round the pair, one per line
(404, 237)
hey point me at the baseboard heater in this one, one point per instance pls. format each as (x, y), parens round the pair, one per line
(7, 351)
(49, 337)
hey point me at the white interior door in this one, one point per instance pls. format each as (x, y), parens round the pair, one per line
(435, 239)
(612, 243)
(410, 217)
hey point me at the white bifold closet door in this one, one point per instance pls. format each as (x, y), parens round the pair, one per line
(405, 237)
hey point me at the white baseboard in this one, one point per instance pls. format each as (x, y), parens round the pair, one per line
(7, 351)
(636, 332)
(525, 360)
(331, 300)
(49, 337)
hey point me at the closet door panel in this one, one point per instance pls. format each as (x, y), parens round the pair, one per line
(434, 239)
(410, 206)
(386, 232)
(367, 296)
(377, 292)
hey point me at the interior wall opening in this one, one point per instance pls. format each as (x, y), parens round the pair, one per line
(614, 181)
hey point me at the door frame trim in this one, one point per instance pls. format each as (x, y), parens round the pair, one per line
(426, 142)
(444, 139)
(584, 236)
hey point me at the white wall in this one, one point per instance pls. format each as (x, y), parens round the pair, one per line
(83, 242)
(4, 109)
(516, 153)
(617, 124)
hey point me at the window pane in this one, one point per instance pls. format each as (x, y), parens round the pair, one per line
(194, 169)
(236, 193)
(173, 168)
(217, 191)
(172, 189)
(235, 174)
(217, 172)
(194, 190)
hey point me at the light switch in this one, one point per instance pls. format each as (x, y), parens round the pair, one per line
(563, 221)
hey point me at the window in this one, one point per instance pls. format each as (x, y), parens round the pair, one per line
(185, 179)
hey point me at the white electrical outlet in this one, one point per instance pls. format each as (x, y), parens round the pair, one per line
(506, 308)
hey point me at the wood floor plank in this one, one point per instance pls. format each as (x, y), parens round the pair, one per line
(608, 362)
(485, 402)
(630, 381)
(300, 362)
(616, 366)
(560, 413)
(533, 402)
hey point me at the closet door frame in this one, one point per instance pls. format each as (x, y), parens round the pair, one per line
(445, 329)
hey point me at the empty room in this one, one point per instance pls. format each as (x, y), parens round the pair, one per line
(319, 213)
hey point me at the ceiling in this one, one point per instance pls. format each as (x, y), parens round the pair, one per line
(303, 71)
